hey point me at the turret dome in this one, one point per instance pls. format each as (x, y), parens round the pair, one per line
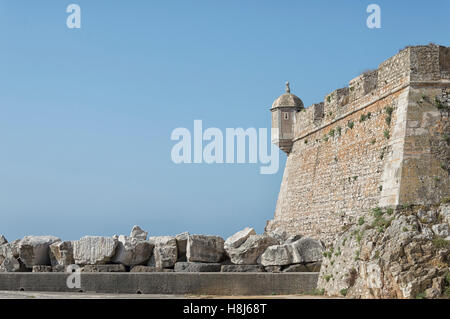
(288, 100)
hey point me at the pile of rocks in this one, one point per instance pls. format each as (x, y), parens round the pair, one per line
(403, 253)
(245, 251)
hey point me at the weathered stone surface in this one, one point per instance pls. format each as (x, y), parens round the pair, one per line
(131, 251)
(390, 255)
(140, 268)
(92, 250)
(239, 238)
(104, 268)
(182, 245)
(293, 238)
(138, 233)
(2, 240)
(165, 251)
(296, 268)
(9, 258)
(432, 293)
(34, 250)
(5, 252)
(14, 247)
(310, 267)
(10, 264)
(280, 255)
(249, 252)
(9, 254)
(279, 234)
(59, 268)
(441, 230)
(201, 248)
(427, 217)
(162, 284)
(61, 253)
(314, 267)
(242, 268)
(41, 268)
(309, 249)
(304, 250)
(197, 267)
(444, 213)
(275, 269)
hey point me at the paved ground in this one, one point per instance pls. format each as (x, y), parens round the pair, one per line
(69, 295)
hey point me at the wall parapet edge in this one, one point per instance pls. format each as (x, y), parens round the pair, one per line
(414, 64)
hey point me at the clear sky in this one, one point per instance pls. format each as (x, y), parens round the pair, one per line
(86, 114)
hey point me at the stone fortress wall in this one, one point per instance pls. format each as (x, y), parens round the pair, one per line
(382, 141)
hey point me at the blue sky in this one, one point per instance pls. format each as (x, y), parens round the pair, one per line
(86, 115)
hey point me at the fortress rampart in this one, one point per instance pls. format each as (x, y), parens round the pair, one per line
(381, 141)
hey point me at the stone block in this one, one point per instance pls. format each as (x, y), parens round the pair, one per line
(138, 233)
(197, 267)
(182, 245)
(93, 250)
(41, 268)
(35, 250)
(201, 248)
(242, 268)
(61, 253)
(239, 238)
(104, 268)
(165, 252)
(249, 252)
(132, 251)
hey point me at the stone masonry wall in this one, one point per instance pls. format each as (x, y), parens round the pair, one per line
(383, 141)
(426, 159)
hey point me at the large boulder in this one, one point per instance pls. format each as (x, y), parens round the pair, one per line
(2, 240)
(182, 245)
(249, 252)
(197, 267)
(165, 251)
(10, 264)
(138, 233)
(9, 258)
(280, 255)
(131, 251)
(61, 253)
(5, 252)
(35, 250)
(201, 248)
(92, 250)
(9, 250)
(239, 238)
(309, 250)
(14, 247)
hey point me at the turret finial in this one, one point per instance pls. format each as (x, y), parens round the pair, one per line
(288, 89)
